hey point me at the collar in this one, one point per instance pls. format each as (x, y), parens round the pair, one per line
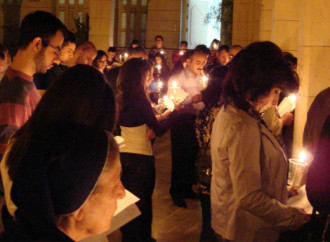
(11, 73)
(190, 75)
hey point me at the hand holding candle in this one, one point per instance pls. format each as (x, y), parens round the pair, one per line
(204, 81)
(174, 86)
(297, 171)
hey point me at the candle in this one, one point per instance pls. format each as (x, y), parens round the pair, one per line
(165, 98)
(158, 67)
(297, 171)
(181, 52)
(215, 46)
(159, 86)
(288, 104)
(175, 86)
(204, 81)
(120, 58)
(162, 52)
(126, 55)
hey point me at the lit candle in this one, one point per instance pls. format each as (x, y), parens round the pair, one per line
(158, 67)
(181, 52)
(120, 58)
(175, 86)
(288, 104)
(165, 98)
(162, 52)
(215, 46)
(126, 55)
(297, 170)
(204, 81)
(159, 86)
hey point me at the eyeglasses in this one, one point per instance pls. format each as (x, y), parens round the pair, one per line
(56, 49)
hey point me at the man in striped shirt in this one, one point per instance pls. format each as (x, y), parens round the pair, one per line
(41, 39)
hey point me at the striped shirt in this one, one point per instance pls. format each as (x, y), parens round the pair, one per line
(18, 99)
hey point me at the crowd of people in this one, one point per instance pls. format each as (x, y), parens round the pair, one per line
(62, 171)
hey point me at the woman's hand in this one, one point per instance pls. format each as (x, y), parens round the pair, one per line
(287, 119)
(150, 134)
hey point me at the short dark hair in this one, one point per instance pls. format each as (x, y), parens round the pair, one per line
(133, 51)
(3, 49)
(184, 42)
(134, 42)
(39, 24)
(223, 47)
(160, 37)
(290, 58)
(112, 49)
(203, 49)
(69, 38)
(254, 71)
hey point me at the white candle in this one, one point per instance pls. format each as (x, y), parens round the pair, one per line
(204, 81)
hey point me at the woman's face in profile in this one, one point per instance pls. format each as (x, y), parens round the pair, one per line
(102, 203)
(265, 101)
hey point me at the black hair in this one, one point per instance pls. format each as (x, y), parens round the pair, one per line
(223, 47)
(99, 55)
(159, 36)
(112, 49)
(133, 51)
(203, 49)
(290, 58)
(254, 71)
(184, 42)
(3, 49)
(39, 24)
(69, 38)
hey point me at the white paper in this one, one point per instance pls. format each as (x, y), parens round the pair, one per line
(169, 104)
(301, 200)
(128, 200)
(178, 94)
(286, 106)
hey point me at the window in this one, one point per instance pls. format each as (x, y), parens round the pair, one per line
(61, 16)
(131, 21)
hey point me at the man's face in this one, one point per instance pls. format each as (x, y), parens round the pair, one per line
(197, 63)
(159, 43)
(86, 57)
(48, 55)
(223, 57)
(111, 55)
(183, 46)
(67, 52)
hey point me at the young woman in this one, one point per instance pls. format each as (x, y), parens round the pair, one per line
(135, 119)
(100, 61)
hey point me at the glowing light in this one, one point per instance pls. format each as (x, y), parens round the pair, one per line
(174, 84)
(302, 156)
(126, 55)
(162, 52)
(160, 84)
(181, 52)
(215, 46)
(158, 67)
(165, 98)
(292, 98)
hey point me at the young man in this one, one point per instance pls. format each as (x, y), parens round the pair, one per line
(183, 139)
(41, 39)
(177, 54)
(43, 81)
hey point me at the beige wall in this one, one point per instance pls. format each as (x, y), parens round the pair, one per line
(101, 29)
(32, 6)
(300, 27)
(164, 19)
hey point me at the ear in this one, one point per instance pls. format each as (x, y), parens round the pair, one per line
(188, 61)
(78, 215)
(37, 44)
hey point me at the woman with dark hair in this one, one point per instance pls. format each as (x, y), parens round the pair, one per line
(249, 182)
(66, 185)
(79, 95)
(100, 61)
(135, 119)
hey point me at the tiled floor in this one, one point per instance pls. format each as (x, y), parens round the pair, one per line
(170, 223)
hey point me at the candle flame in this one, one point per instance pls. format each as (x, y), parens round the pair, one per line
(160, 84)
(158, 67)
(205, 79)
(302, 156)
(292, 98)
(175, 84)
(126, 55)
(181, 52)
(162, 52)
(165, 98)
